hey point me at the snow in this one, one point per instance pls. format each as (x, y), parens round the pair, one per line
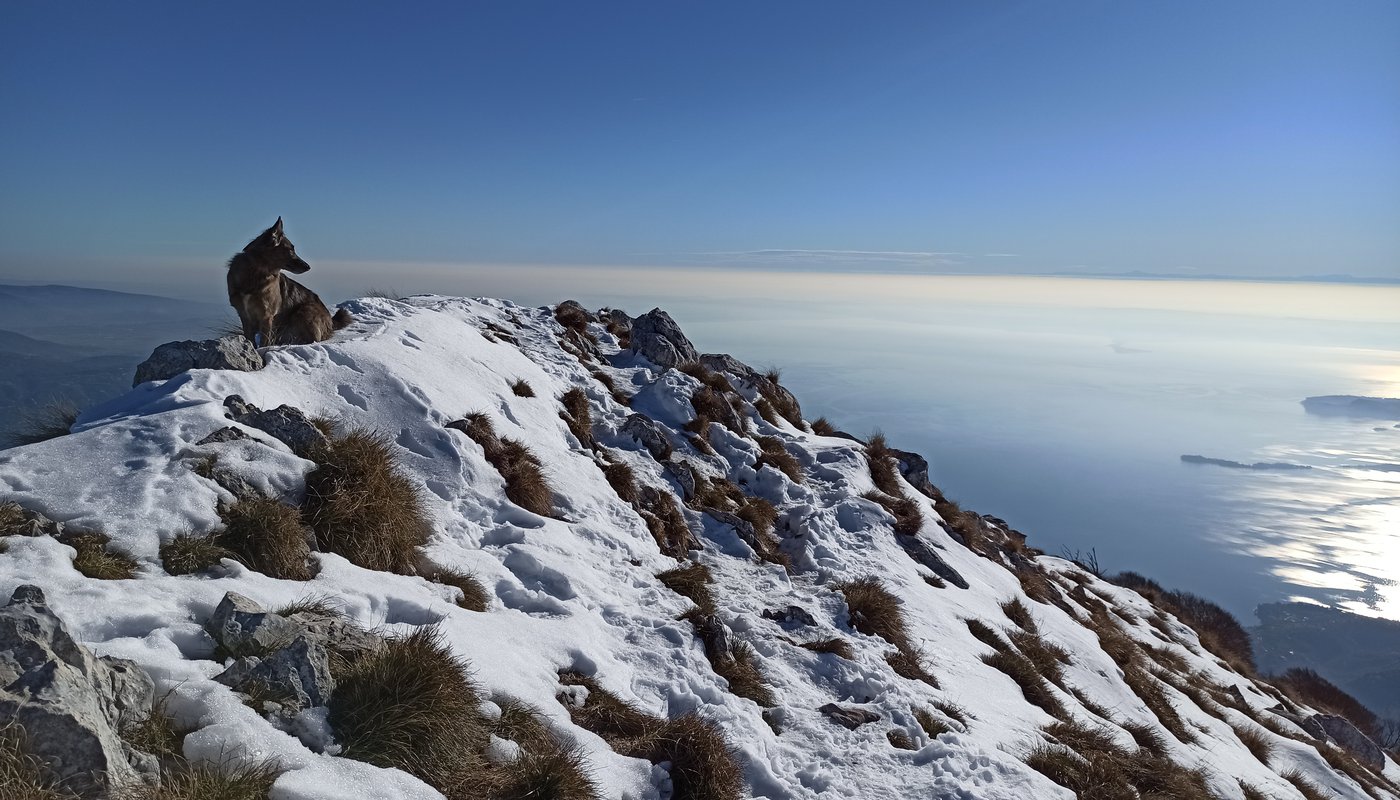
(579, 591)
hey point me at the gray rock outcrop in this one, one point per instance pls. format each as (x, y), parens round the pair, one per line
(1347, 736)
(285, 423)
(657, 337)
(16, 520)
(173, 358)
(650, 434)
(924, 553)
(242, 627)
(848, 716)
(70, 704)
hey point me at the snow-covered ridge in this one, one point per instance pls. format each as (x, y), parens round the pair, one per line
(578, 590)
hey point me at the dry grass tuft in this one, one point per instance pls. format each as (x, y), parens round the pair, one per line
(666, 522)
(548, 767)
(520, 468)
(96, 560)
(761, 514)
(707, 376)
(780, 399)
(933, 726)
(822, 427)
(617, 394)
(474, 597)
(574, 318)
(363, 506)
(703, 765)
(901, 739)
(711, 406)
(187, 553)
(1092, 764)
(1305, 686)
(266, 536)
(11, 517)
(1017, 612)
(1305, 787)
(1217, 628)
(577, 415)
(954, 711)
(42, 423)
(522, 389)
(834, 646)
(966, 524)
(1252, 792)
(24, 776)
(883, 470)
(623, 480)
(693, 583)
(777, 456)
(231, 780)
(1256, 741)
(874, 611)
(410, 705)
(908, 519)
(1033, 686)
(739, 666)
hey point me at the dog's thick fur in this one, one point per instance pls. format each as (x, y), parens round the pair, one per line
(273, 308)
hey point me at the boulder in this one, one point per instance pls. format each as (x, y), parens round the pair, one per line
(286, 424)
(1347, 736)
(659, 339)
(650, 434)
(228, 433)
(242, 627)
(848, 716)
(924, 553)
(173, 358)
(792, 616)
(296, 676)
(70, 704)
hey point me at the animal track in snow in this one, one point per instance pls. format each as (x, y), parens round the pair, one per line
(352, 397)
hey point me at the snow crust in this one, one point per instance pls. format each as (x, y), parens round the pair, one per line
(577, 592)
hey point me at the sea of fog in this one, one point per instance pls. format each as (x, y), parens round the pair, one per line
(1063, 405)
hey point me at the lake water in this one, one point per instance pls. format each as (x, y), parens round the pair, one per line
(1063, 404)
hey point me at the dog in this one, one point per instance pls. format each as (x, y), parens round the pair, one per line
(273, 308)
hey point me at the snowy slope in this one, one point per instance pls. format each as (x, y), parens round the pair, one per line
(579, 591)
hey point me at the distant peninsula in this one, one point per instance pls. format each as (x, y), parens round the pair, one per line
(1347, 405)
(1258, 465)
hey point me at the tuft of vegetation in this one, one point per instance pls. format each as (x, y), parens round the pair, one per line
(231, 780)
(96, 560)
(954, 712)
(474, 597)
(710, 407)
(617, 394)
(548, 768)
(780, 399)
(666, 523)
(968, 525)
(703, 765)
(1256, 741)
(1252, 792)
(411, 706)
(777, 456)
(908, 519)
(188, 553)
(874, 611)
(520, 468)
(1305, 787)
(387, 294)
(761, 514)
(933, 726)
(881, 460)
(1217, 628)
(1017, 612)
(11, 517)
(363, 506)
(822, 427)
(157, 734)
(1091, 763)
(43, 423)
(739, 666)
(577, 416)
(1047, 656)
(766, 412)
(24, 776)
(834, 646)
(707, 376)
(574, 318)
(521, 388)
(901, 739)
(1305, 686)
(623, 480)
(693, 583)
(267, 536)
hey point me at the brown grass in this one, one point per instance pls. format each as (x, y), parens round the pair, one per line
(901, 739)
(908, 519)
(781, 402)
(266, 536)
(548, 768)
(1256, 741)
(577, 415)
(1017, 612)
(411, 706)
(362, 504)
(1093, 765)
(776, 455)
(822, 427)
(24, 776)
(953, 711)
(187, 553)
(693, 583)
(231, 780)
(519, 467)
(96, 559)
(11, 517)
(707, 376)
(874, 611)
(703, 765)
(474, 597)
(834, 646)
(761, 514)
(666, 523)
(933, 726)
(1047, 656)
(883, 471)
(1309, 688)
(623, 480)
(740, 667)
(617, 394)
(521, 388)
(711, 406)
(1305, 787)
(966, 524)
(1217, 628)
(42, 423)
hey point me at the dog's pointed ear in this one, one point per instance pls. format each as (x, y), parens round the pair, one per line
(277, 226)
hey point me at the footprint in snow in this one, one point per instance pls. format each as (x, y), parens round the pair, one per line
(534, 575)
(352, 397)
(343, 360)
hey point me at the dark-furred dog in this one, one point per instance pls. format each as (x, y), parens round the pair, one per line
(273, 308)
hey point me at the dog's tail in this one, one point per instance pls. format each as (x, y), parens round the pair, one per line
(341, 319)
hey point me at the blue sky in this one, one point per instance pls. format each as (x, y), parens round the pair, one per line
(1244, 138)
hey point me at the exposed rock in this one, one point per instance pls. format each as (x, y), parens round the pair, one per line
(16, 520)
(740, 525)
(657, 337)
(684, 475)
(296, 675)
(173, 358)
(730, 366)
(70, 704)
(337, 635)
(849, 716)
(228, 433)
(715, 635)
(242, 627)
(616, 317)
(924, 553)
(1347, 736)
(650, 434)
(284, 423)
(914, 468)
(793, 616)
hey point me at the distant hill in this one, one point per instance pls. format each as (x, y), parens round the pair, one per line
(1359, 654)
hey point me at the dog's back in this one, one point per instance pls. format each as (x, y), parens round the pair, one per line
(273, 308)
